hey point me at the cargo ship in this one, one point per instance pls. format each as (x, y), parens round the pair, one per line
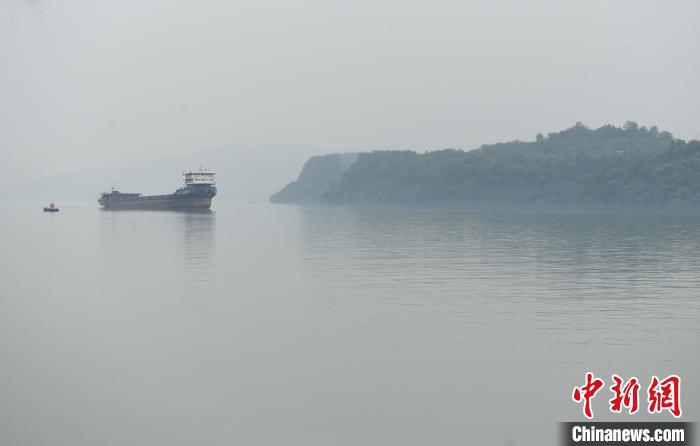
(197, 193)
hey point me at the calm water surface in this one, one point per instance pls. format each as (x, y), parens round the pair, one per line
(264, 325)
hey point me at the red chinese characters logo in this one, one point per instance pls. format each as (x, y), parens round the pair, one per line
(586, 393)
(662, 395)
(626, 395)
(665, 395)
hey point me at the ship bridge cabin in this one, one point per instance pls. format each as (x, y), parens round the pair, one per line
(197, 177)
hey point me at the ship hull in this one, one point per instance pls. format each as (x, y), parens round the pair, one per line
(190, 197)
(158, 203)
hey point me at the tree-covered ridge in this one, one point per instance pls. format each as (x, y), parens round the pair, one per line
(630, 166)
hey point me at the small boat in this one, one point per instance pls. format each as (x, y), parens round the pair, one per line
(51, 208)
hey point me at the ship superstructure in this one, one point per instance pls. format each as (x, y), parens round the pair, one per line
(198, 190)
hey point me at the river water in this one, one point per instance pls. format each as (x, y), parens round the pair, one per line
(260, 324)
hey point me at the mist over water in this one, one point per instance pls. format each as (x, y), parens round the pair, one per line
(263, 324)
(110, 86)
(256, 324)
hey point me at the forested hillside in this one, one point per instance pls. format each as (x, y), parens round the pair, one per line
(631, 166)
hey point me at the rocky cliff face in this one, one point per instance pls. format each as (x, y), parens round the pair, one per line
(318, 174)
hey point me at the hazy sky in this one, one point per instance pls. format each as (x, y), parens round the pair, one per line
(92, 83)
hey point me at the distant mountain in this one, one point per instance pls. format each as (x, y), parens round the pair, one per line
(318, 174)
(629, 166)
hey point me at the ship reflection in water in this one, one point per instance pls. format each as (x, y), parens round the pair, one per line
(164, 253)
(198, 229)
